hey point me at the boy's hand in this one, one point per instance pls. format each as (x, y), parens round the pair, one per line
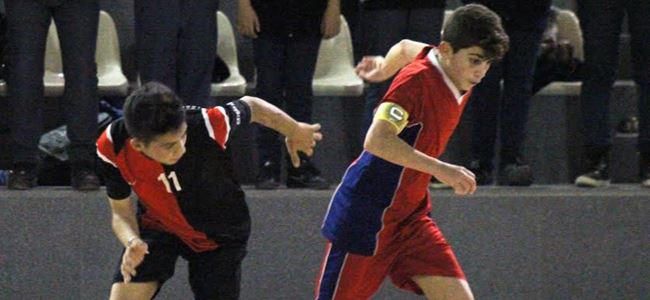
(462, 180)
(370, 69)
(247, 22)
(132, 258)
(302, 139)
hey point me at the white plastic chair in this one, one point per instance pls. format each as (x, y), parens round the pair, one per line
(235, 84)
(53, 78)
(111, 79)
(334, 74)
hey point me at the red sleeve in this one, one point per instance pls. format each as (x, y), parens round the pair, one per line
(405, 91)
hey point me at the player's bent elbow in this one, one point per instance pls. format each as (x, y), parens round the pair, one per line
(372, 144)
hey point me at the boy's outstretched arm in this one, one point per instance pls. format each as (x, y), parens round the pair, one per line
(378, 68)
(125, 227)
(382, 141)
(300, 137)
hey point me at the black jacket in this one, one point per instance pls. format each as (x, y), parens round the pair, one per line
(289, 18)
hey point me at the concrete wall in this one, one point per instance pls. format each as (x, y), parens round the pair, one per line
(535, 243)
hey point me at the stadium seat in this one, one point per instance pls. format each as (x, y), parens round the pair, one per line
(111, 79)
(334, 74)
(235, 84)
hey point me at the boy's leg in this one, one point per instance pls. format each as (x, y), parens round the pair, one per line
(155, 269)
(346, 276)
(216, 274)
(77, 23)
(135, 291)
(427, 265)
(27, 27)
(197, 48)
(156, 36)
(439, 287)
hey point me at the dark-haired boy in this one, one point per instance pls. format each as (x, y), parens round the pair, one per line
(378, 221)
(189, 202)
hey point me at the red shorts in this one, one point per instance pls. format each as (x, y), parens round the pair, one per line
(416, 249)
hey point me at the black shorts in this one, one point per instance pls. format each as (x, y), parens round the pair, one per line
(213, 274)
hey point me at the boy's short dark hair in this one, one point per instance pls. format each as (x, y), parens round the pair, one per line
(476, 25)
(153, 110)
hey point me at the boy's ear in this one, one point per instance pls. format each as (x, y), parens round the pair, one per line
(137, 144)
(445, 49)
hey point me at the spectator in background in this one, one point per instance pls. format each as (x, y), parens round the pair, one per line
(524, 21)
(286, 38)
(601, 27)
(176, 44)
(419, 20)
(27, 24)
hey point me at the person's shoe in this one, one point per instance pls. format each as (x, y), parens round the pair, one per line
(22, 177)
(515, 174)
(595, 178)
(598, 173)
(644, 169)
(84, 179)
(482, 173)
(266, 178)
(306, 176)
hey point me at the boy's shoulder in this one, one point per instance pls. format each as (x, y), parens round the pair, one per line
(114, 137)
(421, 70)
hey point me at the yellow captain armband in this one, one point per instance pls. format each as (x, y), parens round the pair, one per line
(392, 113)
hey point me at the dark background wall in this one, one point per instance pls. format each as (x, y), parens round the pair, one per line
(552, 146)
(533, 243)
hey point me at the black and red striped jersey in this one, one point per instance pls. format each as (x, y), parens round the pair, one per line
(197, 199)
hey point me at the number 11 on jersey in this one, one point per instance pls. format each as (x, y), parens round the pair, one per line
(173, 178)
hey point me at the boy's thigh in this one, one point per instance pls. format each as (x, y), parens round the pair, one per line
(216, 274)
(349, 276)
(425, 252)
(438, 287)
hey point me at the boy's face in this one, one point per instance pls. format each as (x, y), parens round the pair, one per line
(166, 148)
(466, 67)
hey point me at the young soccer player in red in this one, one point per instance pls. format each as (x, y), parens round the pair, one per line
(378, 221)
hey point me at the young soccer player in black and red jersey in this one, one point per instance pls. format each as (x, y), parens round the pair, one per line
(175, 160)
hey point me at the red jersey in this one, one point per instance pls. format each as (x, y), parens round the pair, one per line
(375, 193)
